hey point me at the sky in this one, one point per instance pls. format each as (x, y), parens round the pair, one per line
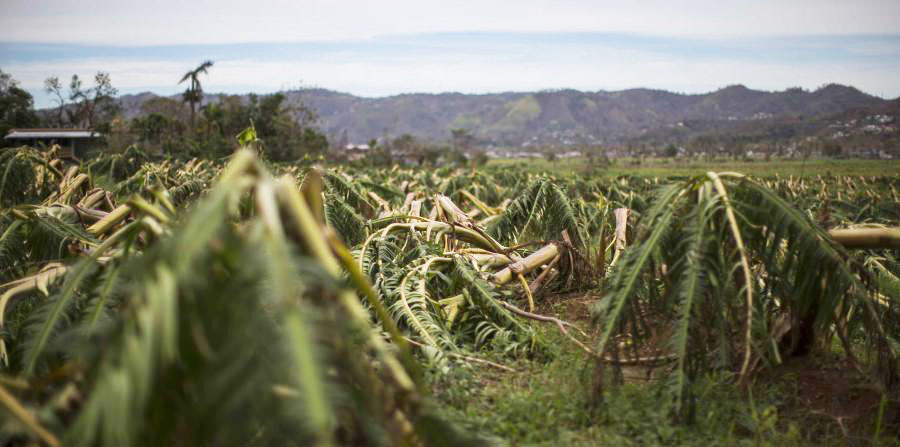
(380, 48)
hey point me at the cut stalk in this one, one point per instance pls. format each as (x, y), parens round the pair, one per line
(531, 262)
(110, 220)
(621, 230)
(867, 238)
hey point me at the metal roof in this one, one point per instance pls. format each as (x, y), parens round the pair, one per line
(15, 134)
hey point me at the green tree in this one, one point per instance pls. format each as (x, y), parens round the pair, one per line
(670, 151)
(94, 107)
(156, 129)
(480, 158)
(379, 154)
(463, 140)
(431, 154)
(161, 125)
(286, 131)
(194, 94)
(409, 146)
(16, 106)
(832, 149)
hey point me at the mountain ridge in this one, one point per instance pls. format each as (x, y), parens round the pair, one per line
(556, 117)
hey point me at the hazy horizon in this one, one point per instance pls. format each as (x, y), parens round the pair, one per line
(501, 92)
(378, 50)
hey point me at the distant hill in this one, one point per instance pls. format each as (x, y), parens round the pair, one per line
(565, 116)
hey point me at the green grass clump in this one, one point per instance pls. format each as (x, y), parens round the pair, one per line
(547, 404)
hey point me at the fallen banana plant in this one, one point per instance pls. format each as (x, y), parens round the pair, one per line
(193, 302)
(445, 277)
(210, 333)
(442, 281)
(720, 265)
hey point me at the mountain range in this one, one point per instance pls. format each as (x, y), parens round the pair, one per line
(565, 117)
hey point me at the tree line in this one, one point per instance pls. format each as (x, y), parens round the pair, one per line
(194, 125)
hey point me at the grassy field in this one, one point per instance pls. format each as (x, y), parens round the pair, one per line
(680, 167)
(812, 401)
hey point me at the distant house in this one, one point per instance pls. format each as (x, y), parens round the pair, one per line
(73, 143)
(356, 151)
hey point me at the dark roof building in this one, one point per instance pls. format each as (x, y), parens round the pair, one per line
(73, 143)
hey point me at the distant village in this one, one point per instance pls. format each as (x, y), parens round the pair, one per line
(853, 138)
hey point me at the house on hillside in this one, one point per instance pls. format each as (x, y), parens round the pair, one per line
(73, 143)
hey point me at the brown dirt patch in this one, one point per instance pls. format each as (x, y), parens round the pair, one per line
(572, 307)
(835, 396)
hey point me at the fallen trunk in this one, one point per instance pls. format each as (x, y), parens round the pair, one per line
(531, 262)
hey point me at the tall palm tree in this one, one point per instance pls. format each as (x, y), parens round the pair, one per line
(194, 94)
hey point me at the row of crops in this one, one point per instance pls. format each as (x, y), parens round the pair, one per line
(248, 303)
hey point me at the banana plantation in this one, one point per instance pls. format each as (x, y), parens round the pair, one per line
(148, 302)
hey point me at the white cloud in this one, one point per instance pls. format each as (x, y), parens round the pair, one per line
(164, 22)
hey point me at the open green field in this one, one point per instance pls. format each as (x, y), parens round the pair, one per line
(655, 167)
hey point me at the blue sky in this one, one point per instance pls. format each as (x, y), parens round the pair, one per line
(384, 48)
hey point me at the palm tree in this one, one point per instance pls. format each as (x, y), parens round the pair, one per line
(194, 94)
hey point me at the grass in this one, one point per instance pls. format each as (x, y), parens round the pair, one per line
(546, 403)
(665, 167)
